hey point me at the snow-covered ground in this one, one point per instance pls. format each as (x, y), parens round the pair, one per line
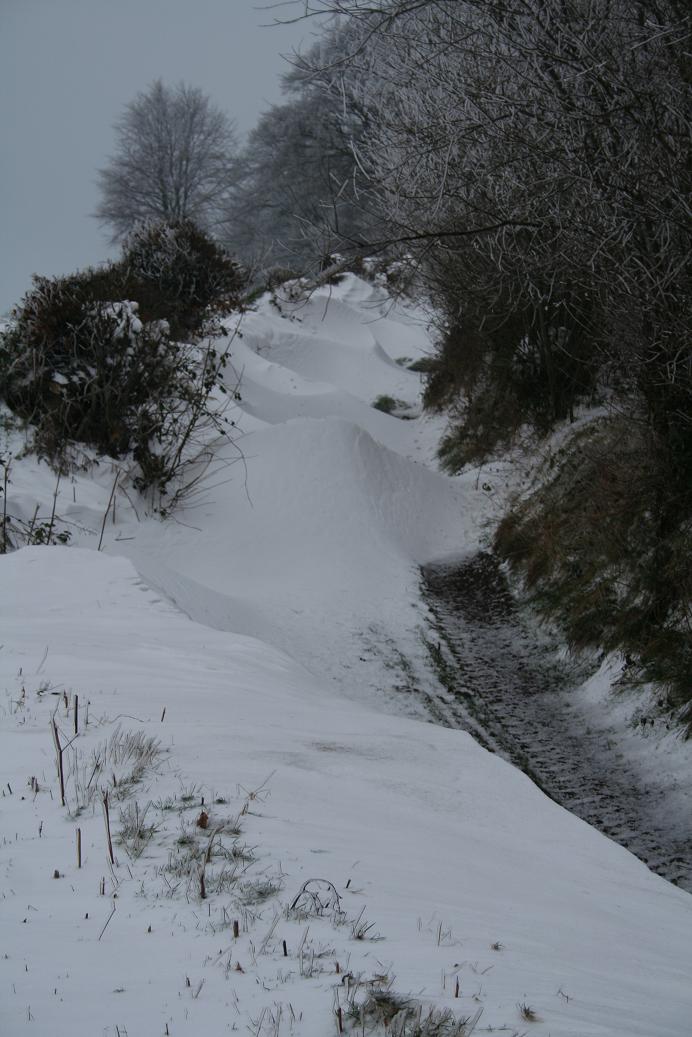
(264, 638)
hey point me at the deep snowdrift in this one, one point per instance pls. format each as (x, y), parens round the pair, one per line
(445, 849)
(310, 545)
(312, 541)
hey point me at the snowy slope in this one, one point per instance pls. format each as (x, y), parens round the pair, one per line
(313, 541)
(265, 635)
(445, 849)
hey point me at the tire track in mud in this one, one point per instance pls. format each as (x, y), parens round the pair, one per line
(513, 690)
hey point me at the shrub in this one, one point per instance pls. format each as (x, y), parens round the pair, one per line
(177, 272)
(387, 404)
(425, 365)
(76, 367)
(507, 362)
(80, 366)
(97, 357)
(275, 276)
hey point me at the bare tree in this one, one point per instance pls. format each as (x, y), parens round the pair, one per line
(173, 160)
(293, 201)
(537, 157)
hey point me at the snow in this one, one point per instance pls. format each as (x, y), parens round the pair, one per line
(263, 636)
(313, 542)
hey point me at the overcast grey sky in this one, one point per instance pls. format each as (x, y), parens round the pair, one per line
(67, 67)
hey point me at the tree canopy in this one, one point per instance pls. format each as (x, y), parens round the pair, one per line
(173, 161)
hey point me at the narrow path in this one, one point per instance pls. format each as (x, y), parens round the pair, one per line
(514, 688)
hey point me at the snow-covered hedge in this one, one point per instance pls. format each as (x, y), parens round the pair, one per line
(97, 358)
(178, 272)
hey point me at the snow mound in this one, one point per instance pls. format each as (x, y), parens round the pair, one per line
(272, 394)
(348, 336)
(461, 867)
(316, 537)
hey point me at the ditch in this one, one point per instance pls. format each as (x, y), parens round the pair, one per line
(512, 692)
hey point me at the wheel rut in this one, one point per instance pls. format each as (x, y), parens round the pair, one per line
(512, 689)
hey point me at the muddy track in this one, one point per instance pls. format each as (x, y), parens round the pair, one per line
(512, 689)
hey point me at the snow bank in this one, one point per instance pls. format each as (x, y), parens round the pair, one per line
(318, 533)
(299, 564)
(445, 849)
(312, 541)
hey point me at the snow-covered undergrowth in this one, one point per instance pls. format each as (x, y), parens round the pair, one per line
(237, 676)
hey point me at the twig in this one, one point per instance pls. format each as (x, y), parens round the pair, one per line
(270, 933)
(32, 525)
(58, 755)
(52, 514)
(5, 480)
(107, 921)
(107, 820)
(108, 506)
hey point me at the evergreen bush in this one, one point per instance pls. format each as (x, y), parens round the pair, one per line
(97, 357)
(178, 273)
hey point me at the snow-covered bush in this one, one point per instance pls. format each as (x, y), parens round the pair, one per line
(275, 276)
(79, 367)
(178, 272)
